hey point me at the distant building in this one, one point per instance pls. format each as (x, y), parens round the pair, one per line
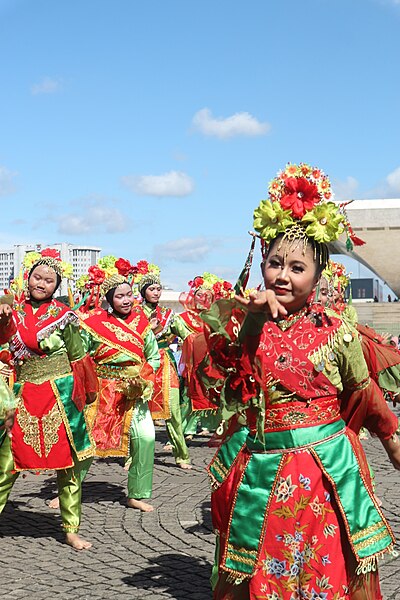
(365, 289)
(81, 258)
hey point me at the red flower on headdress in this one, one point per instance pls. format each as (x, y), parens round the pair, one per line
(52, 252)
(124, 267)
(142, 267)
(227, 286)
(197, 282)
(300, 196)
(217, 288)
(96, 275)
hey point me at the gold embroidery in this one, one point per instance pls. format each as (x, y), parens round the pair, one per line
(122, 336)
(367, 531)
(219, 469)
(133, 324)
(241, 555)
(30, 428)
(371, 541)
(40, 369)
(245, 551)
(51, 423)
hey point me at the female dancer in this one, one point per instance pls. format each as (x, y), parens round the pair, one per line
(55, 379)
(166, 326)
(293, 507)
(126, 355)
(195, 407)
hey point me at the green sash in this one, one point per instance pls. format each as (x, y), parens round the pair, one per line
(369, 534)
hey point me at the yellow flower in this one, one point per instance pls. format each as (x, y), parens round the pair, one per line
(326, 223)
(270, 219)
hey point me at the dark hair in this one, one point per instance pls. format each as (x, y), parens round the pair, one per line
(39, 264)
(110, 296)
(320, 251)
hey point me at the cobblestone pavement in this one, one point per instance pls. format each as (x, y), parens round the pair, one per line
(164, 554)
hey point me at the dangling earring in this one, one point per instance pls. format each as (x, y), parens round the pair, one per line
(110, 309)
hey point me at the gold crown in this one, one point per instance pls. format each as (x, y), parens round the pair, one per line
(51, 262)
(149, 279)
(112, 282)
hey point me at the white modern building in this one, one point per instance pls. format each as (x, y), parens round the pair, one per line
(81, 258)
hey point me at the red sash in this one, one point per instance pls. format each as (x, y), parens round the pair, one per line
(32, 327)
(117, 335)
(192, 321)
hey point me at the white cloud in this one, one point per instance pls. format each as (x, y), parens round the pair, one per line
(174, 183)
(393, 180)
(389, 187)
(242, 123)
(93, 216)
(47, 85)
(6, 181)
(345, 190)
(185, 250)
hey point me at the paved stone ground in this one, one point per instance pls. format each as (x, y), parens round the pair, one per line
(164, 554)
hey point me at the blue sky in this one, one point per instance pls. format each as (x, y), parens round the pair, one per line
(151, 129)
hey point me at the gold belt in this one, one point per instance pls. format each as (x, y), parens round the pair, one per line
(117, 372)
(38, 369)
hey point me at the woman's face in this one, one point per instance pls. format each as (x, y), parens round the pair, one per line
(203, 299)
(323, 291)
(42, 283)
(123, 299)
(290, 273)
(153, 293)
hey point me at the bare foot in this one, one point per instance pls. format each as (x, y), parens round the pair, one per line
(54, 502)
(184, 466)
(76, 542)
(189, 437)
(204, 432)
(140, 505)
(168, 448)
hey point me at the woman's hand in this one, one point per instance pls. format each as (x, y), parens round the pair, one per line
(263, 302)
(155, 325)
(9, 421)
(5, 314)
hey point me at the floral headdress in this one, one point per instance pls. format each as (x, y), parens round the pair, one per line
(336, 276)
(218, 286)
(107, 274)
(301, 206)
(49, 257)
(146, 274)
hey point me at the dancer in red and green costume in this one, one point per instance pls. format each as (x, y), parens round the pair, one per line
(283, 506)
(55, 378)
(166, 325)
(382, 357)
(126, 355)
(7, 399)
(195, 407)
